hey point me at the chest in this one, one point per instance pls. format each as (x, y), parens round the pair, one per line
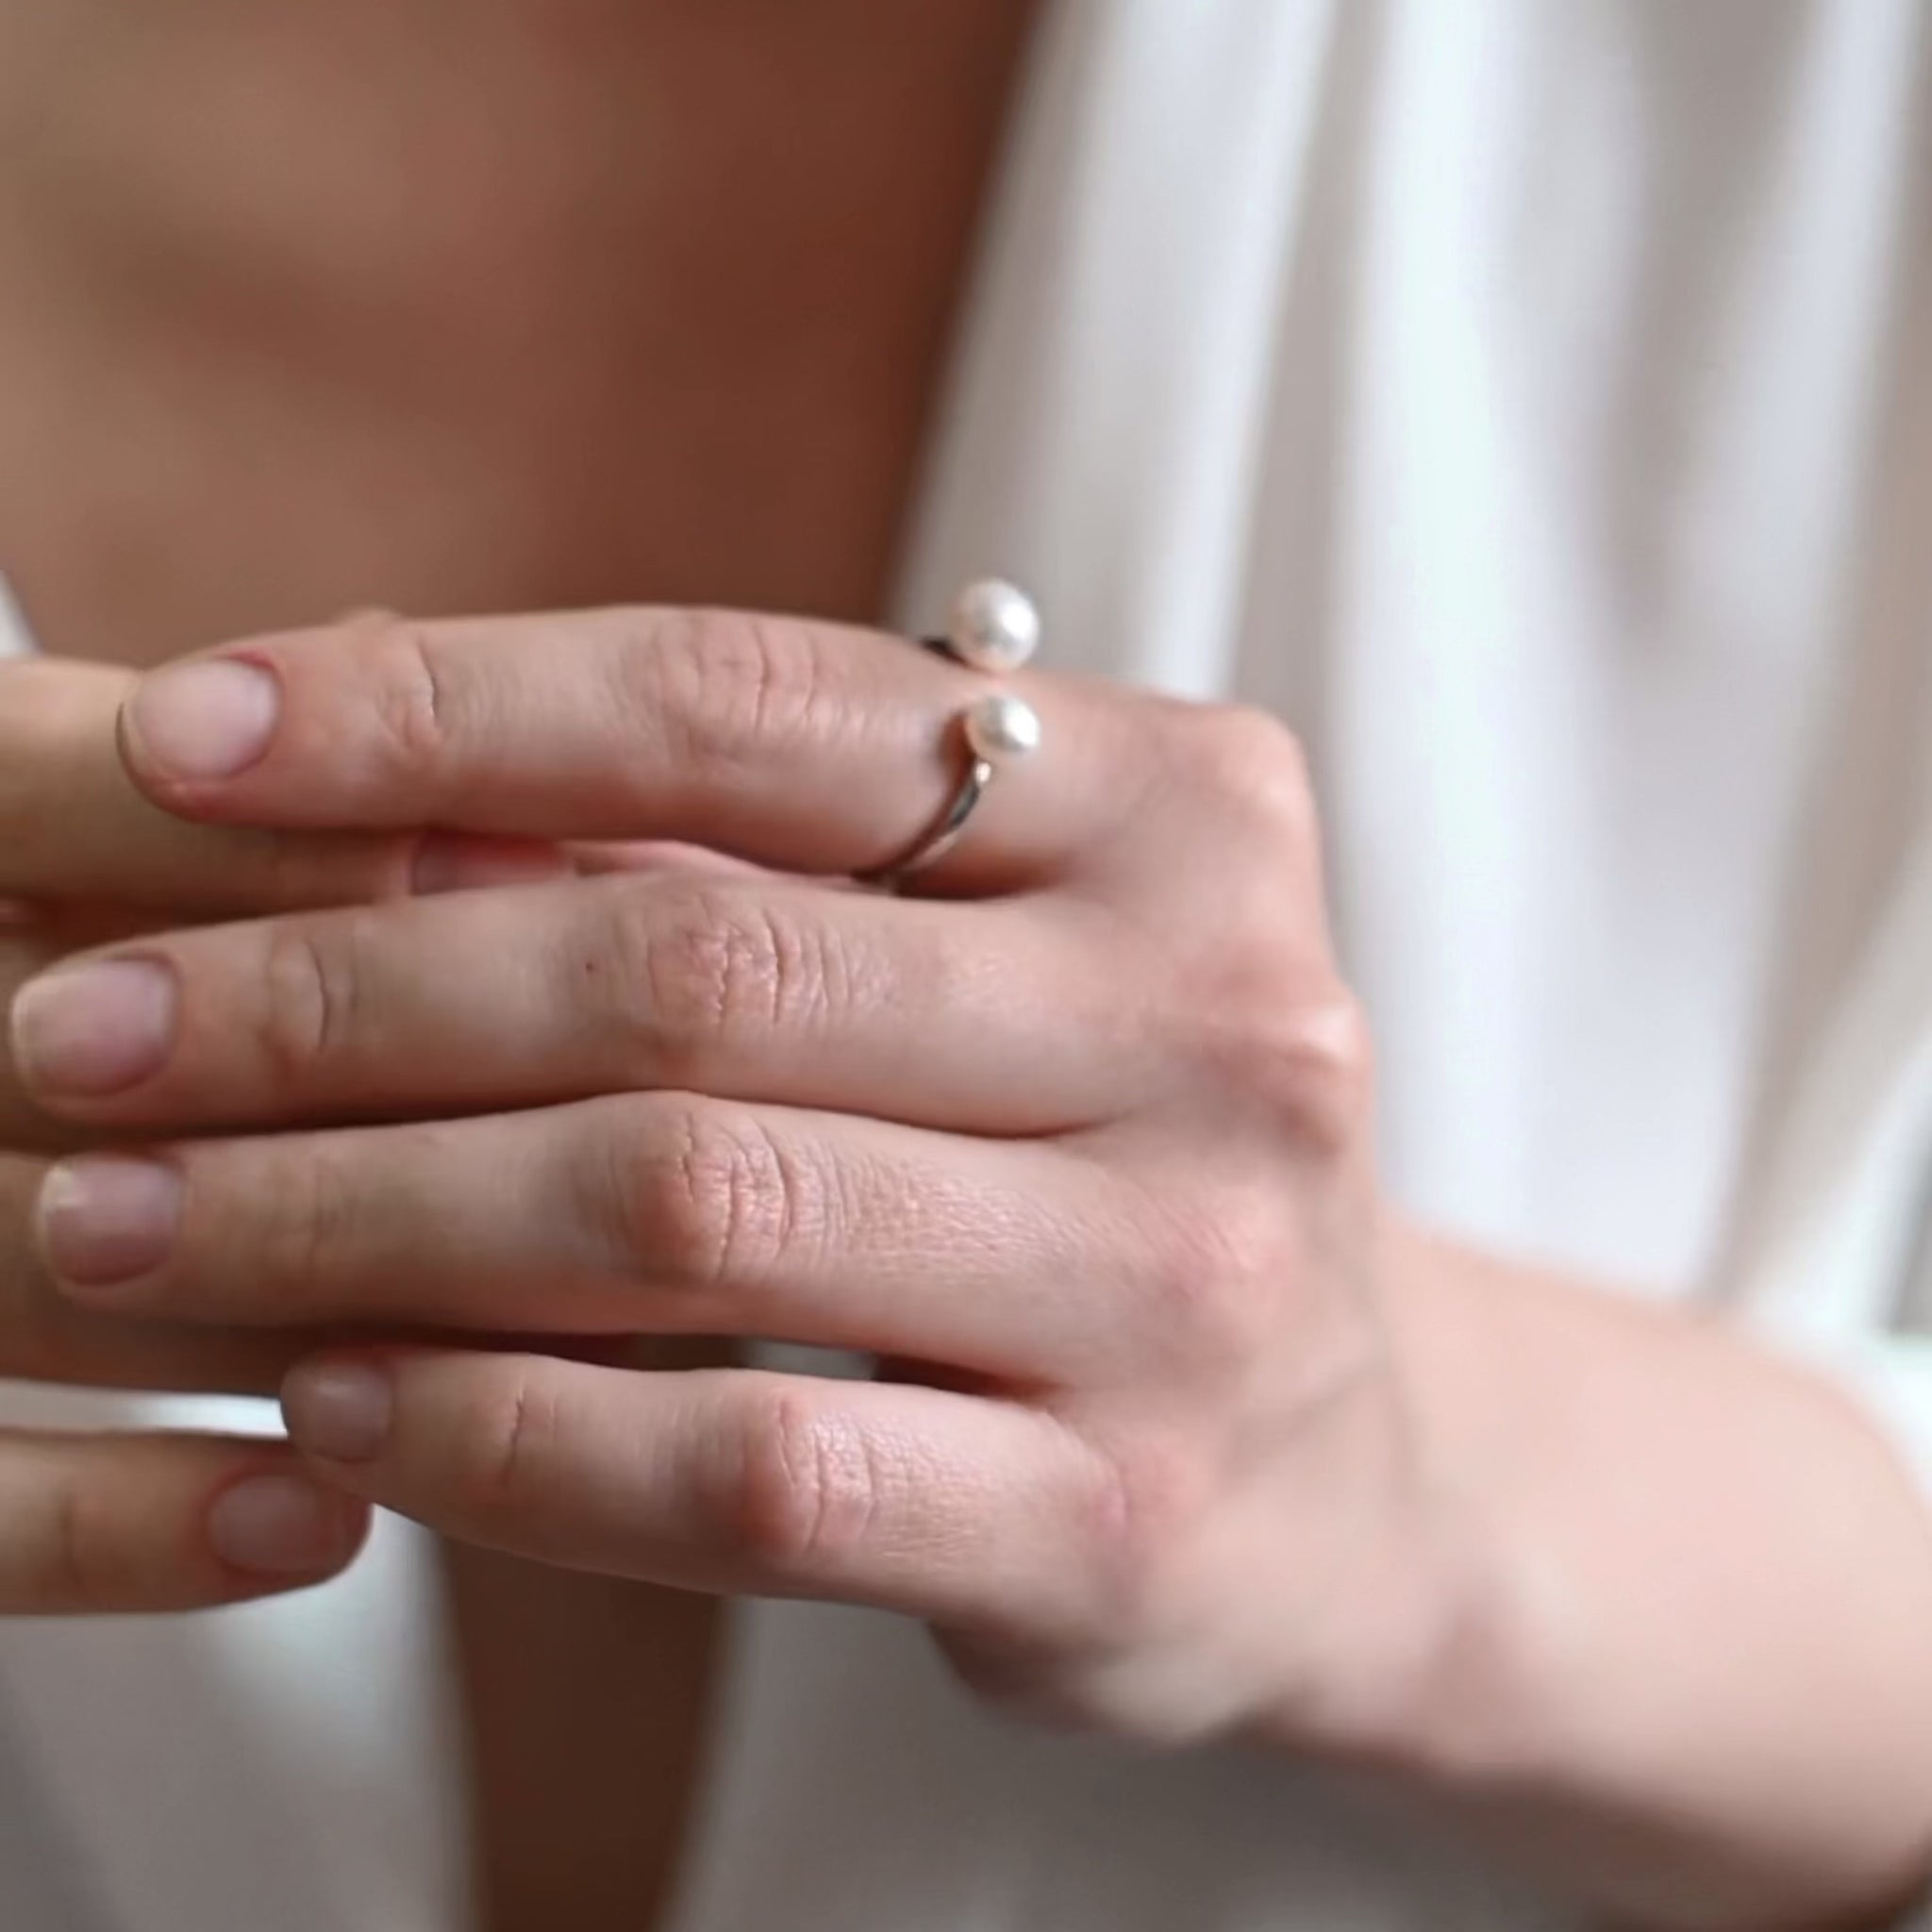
(506, 304)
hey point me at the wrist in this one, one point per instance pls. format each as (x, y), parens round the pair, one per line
(1675, 1601)
(1421, 1662)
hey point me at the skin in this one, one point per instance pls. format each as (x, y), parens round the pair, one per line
(133, 1523)
(1191, 1436)
(414, 308)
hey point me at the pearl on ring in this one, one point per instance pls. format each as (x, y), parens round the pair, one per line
(994, 626)
(1002, 727)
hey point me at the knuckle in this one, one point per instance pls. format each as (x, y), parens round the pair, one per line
(810, 1484)
(308, 998)
(1255, 767)
(702, 975)
(1135, 1518)
(303, 1241)
(710, 1199)
(731, 685)
(1221, 1267)
(507, 1442)
(68, 1550)
(1288, 1048)
(1018, 1683)
(408, 690)
(1313, 1069)
(1047, 1687)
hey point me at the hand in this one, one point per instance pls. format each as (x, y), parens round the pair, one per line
(1082, 1147)
(147, 1522)
(1180, 1432)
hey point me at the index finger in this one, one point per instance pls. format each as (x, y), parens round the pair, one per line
(809, 746)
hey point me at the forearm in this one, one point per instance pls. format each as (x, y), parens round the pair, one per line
(1697, 1677)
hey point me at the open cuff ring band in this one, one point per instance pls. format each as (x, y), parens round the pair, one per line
(994, 627)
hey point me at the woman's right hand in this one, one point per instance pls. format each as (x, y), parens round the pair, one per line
(147, 1522)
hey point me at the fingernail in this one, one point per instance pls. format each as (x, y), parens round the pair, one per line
(338, 1410)
(104, 1219)
(84, 1032)
(280, 1525)
(207, 720)
(449, 863)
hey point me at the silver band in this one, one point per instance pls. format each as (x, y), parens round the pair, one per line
(941, 836)
(993, 628)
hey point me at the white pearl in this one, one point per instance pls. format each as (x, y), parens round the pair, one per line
(994, 625)
(1002, 727)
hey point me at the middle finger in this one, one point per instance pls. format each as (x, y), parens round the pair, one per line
(993, 1019)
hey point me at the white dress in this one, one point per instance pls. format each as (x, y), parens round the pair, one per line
(1533, 404)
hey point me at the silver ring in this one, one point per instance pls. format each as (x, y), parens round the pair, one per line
(996, 730)
(992, 627)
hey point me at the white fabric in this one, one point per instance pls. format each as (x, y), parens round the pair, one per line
(1530, 402)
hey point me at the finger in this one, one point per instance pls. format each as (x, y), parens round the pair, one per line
(661, 1214)
(45, 1337)
(969, 1513)
(161, 1522)
(73, 826)
(811, 747)
(28, 947)
(991, 1018)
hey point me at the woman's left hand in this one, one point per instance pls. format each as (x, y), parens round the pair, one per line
(1077, 1142)
(1181, 1432)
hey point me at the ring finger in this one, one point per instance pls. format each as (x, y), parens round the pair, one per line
(663, 1214)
